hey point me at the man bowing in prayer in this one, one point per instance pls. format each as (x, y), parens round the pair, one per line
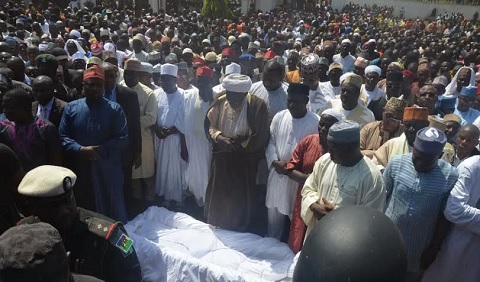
(343, 177)
(287, 129)
(94, 133)
(237, 126)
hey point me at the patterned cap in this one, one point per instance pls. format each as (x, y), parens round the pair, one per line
(310, 63)
(430, 141)
(133, 65)
(396, 104)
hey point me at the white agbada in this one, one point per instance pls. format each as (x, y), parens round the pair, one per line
(459, 256)
(329, 90)
(361, 184)
(169, 178)
(318, 99)
(199, 148)
(285, 133)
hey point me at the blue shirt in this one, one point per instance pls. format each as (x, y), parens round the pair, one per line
(113, 94)
(415, 200)
(467, 117)
(100, 124)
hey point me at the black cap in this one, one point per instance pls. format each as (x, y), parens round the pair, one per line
(356, 244)
(59, 53)
(46, 60)
(35, 248)
(395, 76)
(298, 88)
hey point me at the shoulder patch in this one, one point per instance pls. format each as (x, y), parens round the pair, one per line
(111, 232)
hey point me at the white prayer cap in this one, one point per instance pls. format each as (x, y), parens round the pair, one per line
(344, 76)
(78, 56)
(75, 33)
(334, 113)
(231, 39)
(187, 50)
(147, 67)
(346, 41)
(109, 47)
(257, 42)
(252, 45)
(169, 69)
(42, 47)
(237, 83)
(373, 68)
(47, 181)
(157, 68)
(206, 41)
(233, 68)
(372, 41)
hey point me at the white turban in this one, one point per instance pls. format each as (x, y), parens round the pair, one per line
(373, 68)
(237, 83)
(169, 69)
(79, 47)
(232, 68)
(452, 86)
(334, 113)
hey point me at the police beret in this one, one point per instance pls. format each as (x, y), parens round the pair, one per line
(47, 181)
(34, 247)
(45, 59)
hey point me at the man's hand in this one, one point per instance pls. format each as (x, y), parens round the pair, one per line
(137, 160)
(320, 210)
(428, 256)
(89, 153)
(160, 132)
(237, 142)
(225, 142)
(280, 167)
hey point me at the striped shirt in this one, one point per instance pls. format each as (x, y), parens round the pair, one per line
(415, 200)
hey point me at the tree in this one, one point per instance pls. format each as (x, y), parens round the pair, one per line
(216, 9)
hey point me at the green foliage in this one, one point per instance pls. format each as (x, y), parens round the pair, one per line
(216, 9)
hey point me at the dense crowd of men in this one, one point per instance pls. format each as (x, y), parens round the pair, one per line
(105, 112)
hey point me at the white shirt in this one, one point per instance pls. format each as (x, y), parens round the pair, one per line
(44, 111)
(318, 99)
(347, 62)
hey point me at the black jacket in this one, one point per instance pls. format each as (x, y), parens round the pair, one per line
(128, 100)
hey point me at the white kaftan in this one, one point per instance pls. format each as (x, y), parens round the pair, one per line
(459, 256)
(285, 133)
(276, 100)
(361, 184)
(318, 99)
(169, 179)
(199, 147)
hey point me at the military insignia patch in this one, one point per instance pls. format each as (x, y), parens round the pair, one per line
(125, 244)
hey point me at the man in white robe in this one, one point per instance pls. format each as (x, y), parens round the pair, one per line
(370, 91)
(287, 129)
(459, 254)
(272, 90)
(347, 103)
(142, 177)
(199, 149)
(343, 177)
(170, 167)
(309, 71)
(332, 88)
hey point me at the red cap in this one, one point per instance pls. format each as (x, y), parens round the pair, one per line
(199, 61)
(269, 55)
(228, 51)
(408, 74)
(94, 71)
(205, 72)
